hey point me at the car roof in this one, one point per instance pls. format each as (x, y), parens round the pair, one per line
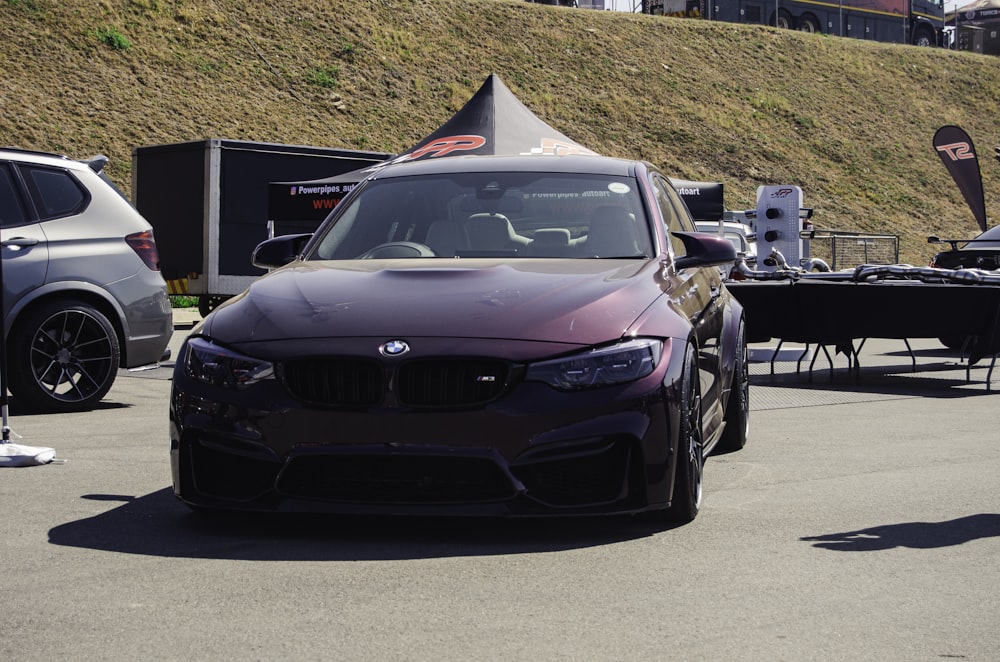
(993, 234)
(575, 163)
(42, 158)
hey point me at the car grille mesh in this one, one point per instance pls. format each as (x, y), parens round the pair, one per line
(350, 382)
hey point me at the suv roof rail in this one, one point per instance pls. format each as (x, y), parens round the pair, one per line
(37, 152)
(95, 163)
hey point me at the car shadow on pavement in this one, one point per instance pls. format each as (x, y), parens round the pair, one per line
(158, 525)
(928, 380)
(936, 372)
(915, 535)
(16, 408)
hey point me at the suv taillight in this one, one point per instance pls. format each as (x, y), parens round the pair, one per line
(145, 247)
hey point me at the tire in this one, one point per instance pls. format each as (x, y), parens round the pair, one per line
(734, 436)
(783, 21)
(688, 474)
(808, 23)
(63, 357)
(923, 37)
(209, 302)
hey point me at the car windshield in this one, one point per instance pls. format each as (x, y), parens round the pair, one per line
(505, 214)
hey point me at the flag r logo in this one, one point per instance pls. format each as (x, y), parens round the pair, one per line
(957, 151)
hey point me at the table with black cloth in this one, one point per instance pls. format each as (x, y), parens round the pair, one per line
(838, 311)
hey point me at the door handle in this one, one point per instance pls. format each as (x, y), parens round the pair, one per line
(19, 242)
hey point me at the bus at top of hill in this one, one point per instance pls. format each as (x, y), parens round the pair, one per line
(919, 22)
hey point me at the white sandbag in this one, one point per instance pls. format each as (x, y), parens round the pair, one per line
(18, 455)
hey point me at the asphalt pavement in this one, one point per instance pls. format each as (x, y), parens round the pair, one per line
(861, 522)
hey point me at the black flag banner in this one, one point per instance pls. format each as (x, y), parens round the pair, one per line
(958, 154)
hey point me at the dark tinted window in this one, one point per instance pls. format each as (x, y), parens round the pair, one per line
(56, 193)
(491, 214)
(675, 214)
(11, 208)
(988, 239)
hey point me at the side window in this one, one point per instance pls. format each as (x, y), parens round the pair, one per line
(55, 192)
(12, 211)
(674, 216)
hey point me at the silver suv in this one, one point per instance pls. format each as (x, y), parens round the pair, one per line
(82, 290)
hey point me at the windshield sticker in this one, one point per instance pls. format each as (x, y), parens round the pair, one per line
(618, 187)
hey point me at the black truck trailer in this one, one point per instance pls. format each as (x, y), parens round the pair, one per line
(208, 204)
(919, 22)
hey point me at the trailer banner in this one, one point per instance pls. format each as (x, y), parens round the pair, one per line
(958, 154)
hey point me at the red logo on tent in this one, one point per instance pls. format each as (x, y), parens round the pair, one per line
(444, 147)
(957, 151)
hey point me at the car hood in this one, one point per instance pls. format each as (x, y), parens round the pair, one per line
(565, 301)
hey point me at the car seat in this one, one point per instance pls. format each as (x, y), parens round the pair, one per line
(611, 234)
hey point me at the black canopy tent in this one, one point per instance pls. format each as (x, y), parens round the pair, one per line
(493, 121)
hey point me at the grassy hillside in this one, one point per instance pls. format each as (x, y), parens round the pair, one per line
(848, 121)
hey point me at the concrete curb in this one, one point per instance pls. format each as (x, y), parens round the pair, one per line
(186, 317)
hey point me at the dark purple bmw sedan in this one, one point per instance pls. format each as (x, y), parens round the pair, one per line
(483, 335)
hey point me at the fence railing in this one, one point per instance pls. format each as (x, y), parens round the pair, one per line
(845, 250)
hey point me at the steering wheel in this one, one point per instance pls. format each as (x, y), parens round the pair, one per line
(398, 249)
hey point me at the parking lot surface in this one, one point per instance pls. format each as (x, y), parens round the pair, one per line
(861, 522)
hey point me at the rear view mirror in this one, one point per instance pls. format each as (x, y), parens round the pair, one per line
(279, 251)
(704, 250)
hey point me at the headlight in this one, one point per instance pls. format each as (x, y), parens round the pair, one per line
(216, 365)
(617, 364)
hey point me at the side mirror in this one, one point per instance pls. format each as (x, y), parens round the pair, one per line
(279, 251)
(704, 250)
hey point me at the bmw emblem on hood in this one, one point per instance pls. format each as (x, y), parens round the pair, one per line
(394, 348)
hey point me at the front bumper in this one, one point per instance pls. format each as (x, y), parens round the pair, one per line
(534, 451)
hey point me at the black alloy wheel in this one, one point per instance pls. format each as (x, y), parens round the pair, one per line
(63, 357)
(686, 500)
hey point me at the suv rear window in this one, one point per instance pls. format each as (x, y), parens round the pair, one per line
(55, 192)
(11, 208)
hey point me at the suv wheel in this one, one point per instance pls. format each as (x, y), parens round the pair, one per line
(63, 357)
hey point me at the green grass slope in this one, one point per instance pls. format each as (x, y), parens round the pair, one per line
(850, 122)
